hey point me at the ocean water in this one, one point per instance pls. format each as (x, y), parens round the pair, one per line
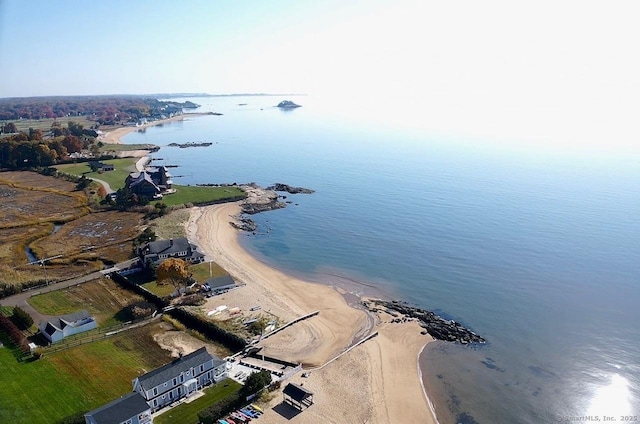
(534, 247)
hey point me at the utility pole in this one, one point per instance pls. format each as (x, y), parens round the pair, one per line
(43, 262)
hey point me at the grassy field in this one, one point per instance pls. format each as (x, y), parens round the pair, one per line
(187, 413)
(106, 147)
(76, 380)
(45, 124)
(196, 194)
(171, 225)
(103, 298)
(114, 178)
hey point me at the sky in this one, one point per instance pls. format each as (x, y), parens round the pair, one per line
(544, 68)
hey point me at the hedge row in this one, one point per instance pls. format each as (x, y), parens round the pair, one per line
(7, 290)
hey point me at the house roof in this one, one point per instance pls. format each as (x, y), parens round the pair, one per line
(177, 367)
(296, 392)
(57, 324)
(217, 282)
(176, 245)
(120, 410)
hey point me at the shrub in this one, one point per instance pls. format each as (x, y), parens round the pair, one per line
(9, 328)
(192, 299)
(255, 382)
(21, 318)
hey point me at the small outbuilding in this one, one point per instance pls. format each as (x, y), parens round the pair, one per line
(297, 396)
(219, 284)
(57, 329)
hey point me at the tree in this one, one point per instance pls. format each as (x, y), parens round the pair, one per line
(173, 271)
(255, 382)
(146, 236)
(10, 128)
(21, 318)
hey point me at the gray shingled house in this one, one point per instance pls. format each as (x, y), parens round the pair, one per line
(157, 251)
(130, 409)
(180, 378)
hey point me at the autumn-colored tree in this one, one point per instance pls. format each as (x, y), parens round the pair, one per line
(174, 271)
(72, 143)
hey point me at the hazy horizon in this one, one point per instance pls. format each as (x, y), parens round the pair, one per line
(556, 73)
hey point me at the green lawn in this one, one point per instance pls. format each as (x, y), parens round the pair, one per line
(74, 381)
(200, 272)
(106, 147)
(115, 178)
(187, 413)
(161, 290)
(198, 194)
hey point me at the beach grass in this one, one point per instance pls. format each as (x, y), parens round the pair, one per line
(201, 195)
(123, 167)
(187, 413)
(76, 380)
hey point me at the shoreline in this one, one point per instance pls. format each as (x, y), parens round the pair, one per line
(375, 382)
(114, 136)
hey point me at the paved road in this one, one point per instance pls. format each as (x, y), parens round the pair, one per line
(20, 299)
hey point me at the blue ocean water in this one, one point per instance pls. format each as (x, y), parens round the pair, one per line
(534, 248)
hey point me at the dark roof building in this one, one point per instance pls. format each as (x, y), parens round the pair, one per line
(157, 251)
(224, 282)
(297, 396)
(142, 184)
(131, 407)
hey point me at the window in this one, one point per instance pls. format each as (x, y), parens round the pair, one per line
(201, 368)
(155, 391)
(175, 381)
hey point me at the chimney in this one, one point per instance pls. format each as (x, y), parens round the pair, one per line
(170, 242)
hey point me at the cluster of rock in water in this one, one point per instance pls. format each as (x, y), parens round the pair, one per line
(263, 199)
(438, 327)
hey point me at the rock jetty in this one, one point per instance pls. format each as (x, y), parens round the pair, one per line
(289, 189)
(287, 104)
(438, 327)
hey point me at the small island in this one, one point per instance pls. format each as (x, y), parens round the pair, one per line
(190, 144)
(287, 104)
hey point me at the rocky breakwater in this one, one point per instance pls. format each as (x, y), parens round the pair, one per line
(438, 327)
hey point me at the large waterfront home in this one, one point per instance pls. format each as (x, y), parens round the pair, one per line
(129, 409)
(151, 183)
(56, 329)
(159, 250)
(180, 378)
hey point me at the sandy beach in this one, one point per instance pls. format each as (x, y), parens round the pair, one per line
(376, 382)
(113, 137)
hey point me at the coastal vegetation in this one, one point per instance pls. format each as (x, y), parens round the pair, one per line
(199, 195)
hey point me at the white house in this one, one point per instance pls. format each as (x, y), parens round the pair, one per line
(57, 329)
(180, 378)
(129, 409)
